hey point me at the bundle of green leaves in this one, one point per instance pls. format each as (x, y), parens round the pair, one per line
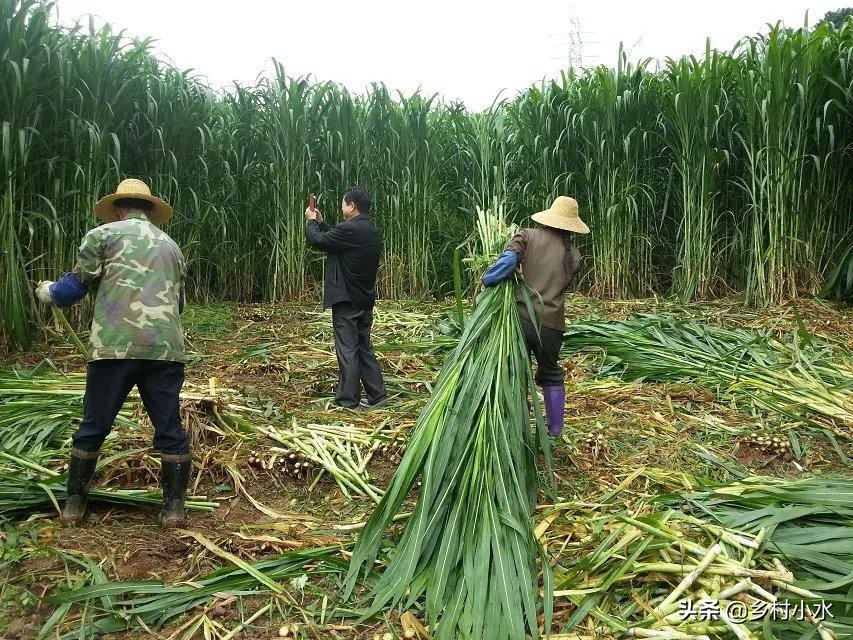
(469, 545)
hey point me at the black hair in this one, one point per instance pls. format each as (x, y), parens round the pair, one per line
(360, 198)
(134, 203)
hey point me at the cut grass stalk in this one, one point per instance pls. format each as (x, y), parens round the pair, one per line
(153, 604)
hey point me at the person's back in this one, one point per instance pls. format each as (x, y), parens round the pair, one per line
(136, 274)
(549, 266)
(138, 271)
(548, 262)
(352, 268)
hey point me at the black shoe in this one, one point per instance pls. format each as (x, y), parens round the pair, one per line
(364, 404)
(174, 478)
(81, 470)
(349, 407)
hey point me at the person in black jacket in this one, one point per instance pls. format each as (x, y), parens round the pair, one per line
(352, 261)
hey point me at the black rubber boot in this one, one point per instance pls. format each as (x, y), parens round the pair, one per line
(174, 478)
(81, 470)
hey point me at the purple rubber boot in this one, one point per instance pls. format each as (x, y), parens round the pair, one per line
(555, 406)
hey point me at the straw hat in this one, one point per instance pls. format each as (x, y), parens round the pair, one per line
(563, 214)
(132, 188)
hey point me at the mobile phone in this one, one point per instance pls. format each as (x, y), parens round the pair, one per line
(312, 202)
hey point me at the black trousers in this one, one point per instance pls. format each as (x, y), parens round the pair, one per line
(546, 349)
(357, 363)
(108, 382)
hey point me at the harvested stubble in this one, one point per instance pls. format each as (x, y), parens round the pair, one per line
(26, 487)
(39, 411)
(289, 342)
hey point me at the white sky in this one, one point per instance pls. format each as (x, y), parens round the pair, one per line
(469, 50)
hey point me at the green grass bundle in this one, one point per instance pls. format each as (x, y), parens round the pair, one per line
(801, 378)
(469, 546)
(39, 412)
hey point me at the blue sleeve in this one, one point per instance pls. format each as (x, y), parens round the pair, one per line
(67, 290)
(501, 269)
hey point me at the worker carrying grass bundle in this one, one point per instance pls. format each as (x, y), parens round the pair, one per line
(468, 550)
(352, 261)
(138, 273)
(548, 262)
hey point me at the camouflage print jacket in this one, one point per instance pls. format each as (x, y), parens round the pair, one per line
(139, 273)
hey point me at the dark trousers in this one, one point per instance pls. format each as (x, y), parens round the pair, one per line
(357, 363)
(108, 382)
(546, 349)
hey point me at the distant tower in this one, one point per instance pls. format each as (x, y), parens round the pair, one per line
(572, 45)
(574, 51)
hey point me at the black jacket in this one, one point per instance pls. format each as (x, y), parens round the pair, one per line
(353, 249)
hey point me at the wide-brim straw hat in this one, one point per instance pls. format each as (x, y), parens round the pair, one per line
(563, 214)
(133, 188)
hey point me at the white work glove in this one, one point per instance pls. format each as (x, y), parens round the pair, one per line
(43, 291)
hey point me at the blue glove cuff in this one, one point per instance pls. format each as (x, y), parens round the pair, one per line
(501, 269)
(67, 290)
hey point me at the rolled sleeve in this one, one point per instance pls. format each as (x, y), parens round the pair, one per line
(502, 269)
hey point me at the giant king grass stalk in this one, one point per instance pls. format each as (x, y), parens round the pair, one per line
(808, 524)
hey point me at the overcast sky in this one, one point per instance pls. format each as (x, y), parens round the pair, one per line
(469, 50)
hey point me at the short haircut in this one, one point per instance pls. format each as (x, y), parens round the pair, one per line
(360, 198)
(134, 203)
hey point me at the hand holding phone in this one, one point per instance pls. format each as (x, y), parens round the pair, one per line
(312, 212)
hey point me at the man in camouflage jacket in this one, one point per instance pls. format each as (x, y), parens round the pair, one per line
(136, 273)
